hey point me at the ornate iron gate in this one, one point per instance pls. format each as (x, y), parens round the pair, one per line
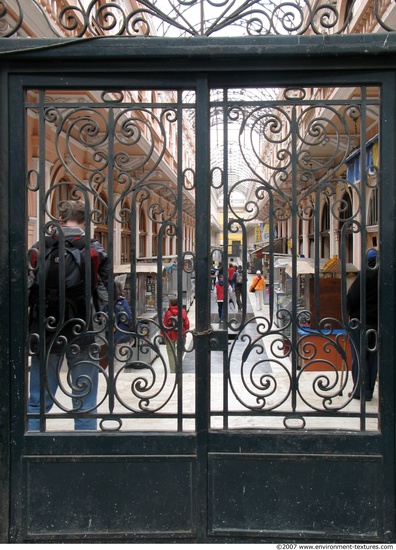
(257, 435)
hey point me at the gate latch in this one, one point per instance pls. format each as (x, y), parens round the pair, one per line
(218, 340)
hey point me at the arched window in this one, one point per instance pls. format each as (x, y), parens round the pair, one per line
(325, 230)
(372, 213)
(345, 217)
(142, 233)
(101, 232)
(311, 234)
(125, 233)
(300, 235)
(154, 241)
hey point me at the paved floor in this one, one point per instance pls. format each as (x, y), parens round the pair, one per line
(260, 379)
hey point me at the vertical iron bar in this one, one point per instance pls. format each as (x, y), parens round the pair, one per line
(293, 331)
(386, 289)
(4, 311)
(271, 224)
(362, 215)
(110, 253)
(180, 263)
(41, 256)
(202, 320)
(226, 363)
(135, 213)
(14, 211)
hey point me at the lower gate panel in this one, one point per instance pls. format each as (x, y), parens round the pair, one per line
(272, 495)
(109, 495)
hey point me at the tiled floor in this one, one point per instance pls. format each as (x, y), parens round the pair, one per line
(259, 380)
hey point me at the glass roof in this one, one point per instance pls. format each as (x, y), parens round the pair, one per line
(227, 18)
(220, 17)
(243, 142)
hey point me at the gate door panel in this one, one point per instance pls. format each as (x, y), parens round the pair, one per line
(290, 165)
(109, 412)
(121, 155)
(294, 411)
(206, 414)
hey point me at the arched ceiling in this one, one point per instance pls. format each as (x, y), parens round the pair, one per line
(243, 146)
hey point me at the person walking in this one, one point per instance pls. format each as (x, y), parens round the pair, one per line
(220, 297)
(213, 271)
(258, 286)
(231, 271)
(122, 316)
(68, 319)
(369, 358)
(171, 335)
(237, 283)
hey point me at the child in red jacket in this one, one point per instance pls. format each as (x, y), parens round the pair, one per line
(171, 336)
(220, 296)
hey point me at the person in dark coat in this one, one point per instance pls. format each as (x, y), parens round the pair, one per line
(213, 271)
(238, 280)
(369, 357)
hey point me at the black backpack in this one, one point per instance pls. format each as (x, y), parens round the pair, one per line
(239, 278)
(63, 315)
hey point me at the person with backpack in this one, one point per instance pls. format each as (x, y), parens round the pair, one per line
(171, 335)
(63, 329)
(237, 284)
(257, 286)
(122, 327)
(122, 315)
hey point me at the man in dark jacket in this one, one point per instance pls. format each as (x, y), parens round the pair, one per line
(64, 335)
(369, 356)
(237, 282)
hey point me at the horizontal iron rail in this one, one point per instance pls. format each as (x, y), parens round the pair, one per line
(145, 48)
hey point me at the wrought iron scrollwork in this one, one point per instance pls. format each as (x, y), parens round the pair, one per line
(293, 164)
(195, 18)
(107, 150)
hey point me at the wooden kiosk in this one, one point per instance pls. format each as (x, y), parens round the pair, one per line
(320, 349)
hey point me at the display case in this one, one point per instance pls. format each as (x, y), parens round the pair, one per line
(170, 286)
(328, 304)
(150, 292)
(322, 302)
(330, 349)
(279, 297)
(148, 329)
(146, 307)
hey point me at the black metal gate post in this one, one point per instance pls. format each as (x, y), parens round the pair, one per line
(387, 284)
(203, 332)
(5, 393)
